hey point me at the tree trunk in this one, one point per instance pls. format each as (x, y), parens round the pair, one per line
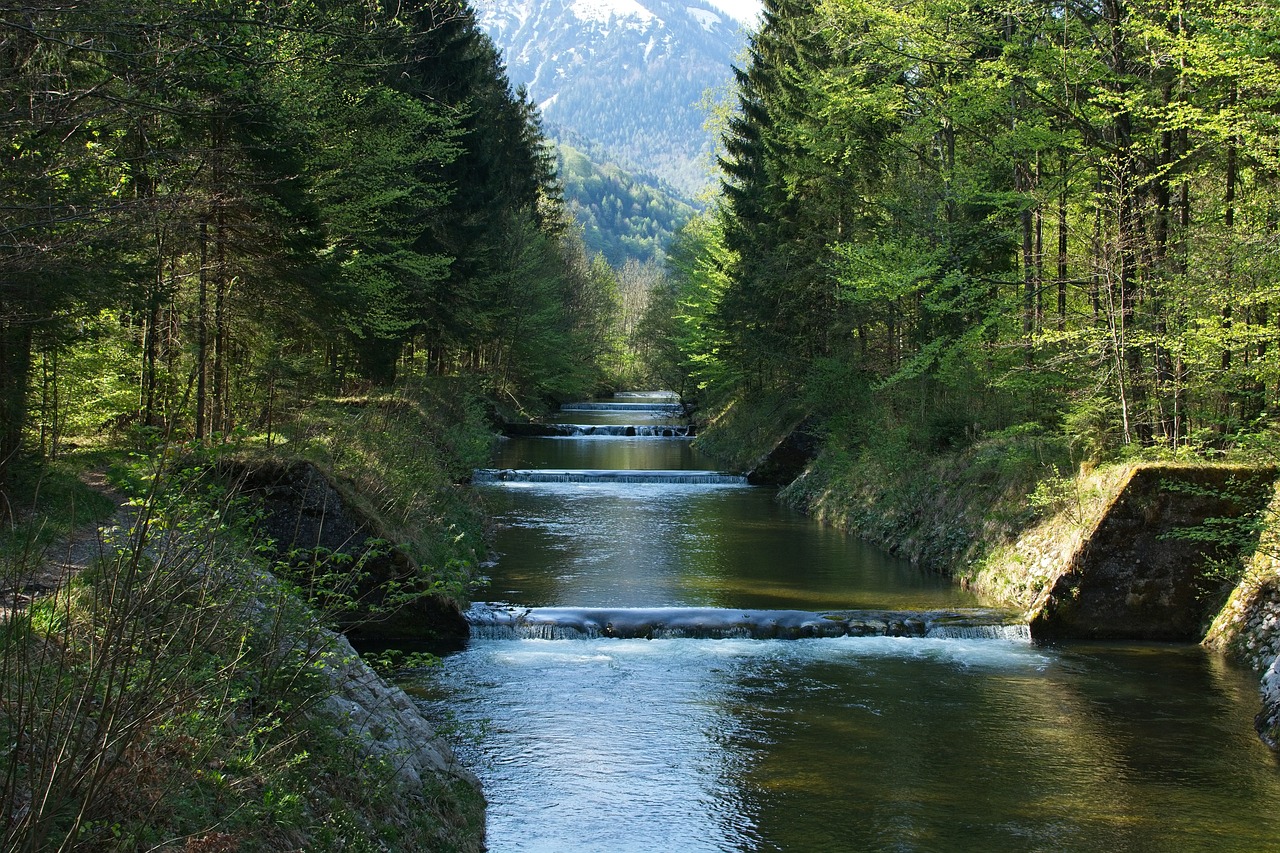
(202, 334)
(15, 371)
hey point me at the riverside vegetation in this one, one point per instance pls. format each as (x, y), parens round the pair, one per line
(183, 690)
(242, 239)
(970, 263)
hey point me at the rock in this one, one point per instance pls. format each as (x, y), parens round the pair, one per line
(1267, 723)
(386, 723)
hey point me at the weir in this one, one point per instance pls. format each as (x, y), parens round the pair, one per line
(502, 622)
(652, 406)
(551, 475)
(606, 430)
(656, 396)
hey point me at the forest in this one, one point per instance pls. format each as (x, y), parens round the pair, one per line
(946, 220)
(242, 241)
(623, 217)
(215, 212)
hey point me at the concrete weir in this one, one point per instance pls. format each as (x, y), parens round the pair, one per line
(1144, 572)
(506, 622)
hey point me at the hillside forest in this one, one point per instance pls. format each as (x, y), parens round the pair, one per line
(215, 212)
(622, 216)
(945, 220)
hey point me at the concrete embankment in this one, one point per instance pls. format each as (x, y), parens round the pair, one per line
(1139, 552)
(1157, 564)
(1248, 626)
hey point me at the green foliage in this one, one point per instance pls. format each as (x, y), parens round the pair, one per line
(1228, 540)
(991, 217)
(622, 217)
(392, 661)
(174, 691)
(224, 212)
(402, 456)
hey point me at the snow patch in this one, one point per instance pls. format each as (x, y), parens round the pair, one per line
(743, 11)
(708, 19)
(602, 11)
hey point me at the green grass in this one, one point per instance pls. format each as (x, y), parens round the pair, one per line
(44, 501)
(169, 699)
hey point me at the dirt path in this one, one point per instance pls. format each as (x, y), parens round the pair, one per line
(61, 561)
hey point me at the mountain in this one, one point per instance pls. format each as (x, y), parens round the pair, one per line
(621, 215)
(628, 75)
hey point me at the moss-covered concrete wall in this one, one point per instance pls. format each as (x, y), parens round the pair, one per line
(1153, 566)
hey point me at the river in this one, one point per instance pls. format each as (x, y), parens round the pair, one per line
(927, 742)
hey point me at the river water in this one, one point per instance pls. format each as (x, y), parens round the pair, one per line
(917, 743)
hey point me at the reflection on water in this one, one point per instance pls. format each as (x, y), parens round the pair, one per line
(846, 744)
(638, 545)
(595, 452)
(858, 744)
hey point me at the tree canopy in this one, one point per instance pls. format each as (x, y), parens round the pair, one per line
(1038, 214)
(239, 204)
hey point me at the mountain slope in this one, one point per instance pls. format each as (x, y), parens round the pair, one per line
(628, 75)
(622, 217)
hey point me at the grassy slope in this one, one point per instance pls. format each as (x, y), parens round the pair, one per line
(206, 679)
(1000, 515)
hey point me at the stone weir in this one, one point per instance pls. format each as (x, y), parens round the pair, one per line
(656, 406)
(1146, 571)
(612, 430)
(500, 622)
(685, 477)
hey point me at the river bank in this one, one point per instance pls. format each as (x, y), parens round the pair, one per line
(1002, 518)
(180, 687)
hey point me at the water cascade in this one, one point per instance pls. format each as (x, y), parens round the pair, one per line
(609, 430)
(492, 622)
(629, 407)
(675, 661)
(550, 475)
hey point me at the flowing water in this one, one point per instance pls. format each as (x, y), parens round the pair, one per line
(955, 734)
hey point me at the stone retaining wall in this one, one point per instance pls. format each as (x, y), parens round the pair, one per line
(1143, 573)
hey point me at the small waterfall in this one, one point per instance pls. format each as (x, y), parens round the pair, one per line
(655, 406)
(656, 396)
(498, 622)
(552, 475)
(619, 430)
(631, 430)
(1015, 632)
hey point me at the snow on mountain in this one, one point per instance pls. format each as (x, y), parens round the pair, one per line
(745, 12)
(624, 77)
(709, 20)
(606, 11)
